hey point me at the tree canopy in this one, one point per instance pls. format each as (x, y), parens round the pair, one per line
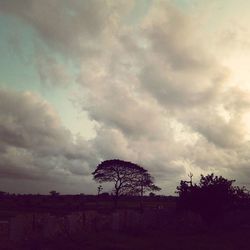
(211, 197)
(128, 178)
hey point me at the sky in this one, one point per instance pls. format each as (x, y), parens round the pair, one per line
(164, 84)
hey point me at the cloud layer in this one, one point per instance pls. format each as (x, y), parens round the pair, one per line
(159, 93)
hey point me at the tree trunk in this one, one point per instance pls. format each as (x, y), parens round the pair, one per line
(116, 197)
(141, 198)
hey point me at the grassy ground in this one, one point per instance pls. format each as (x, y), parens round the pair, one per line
(213, 240)
(126, 204)
(155, 240)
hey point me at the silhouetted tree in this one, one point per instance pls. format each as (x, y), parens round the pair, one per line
(99, 189)
(211, 197)
(2, 193)
(54, 193)
(128, 178)
(145, 183)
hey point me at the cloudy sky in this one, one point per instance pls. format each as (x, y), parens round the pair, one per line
(164, 84)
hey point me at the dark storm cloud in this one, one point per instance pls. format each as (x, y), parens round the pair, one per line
(13, 167)
(20, 122)
(34, 143)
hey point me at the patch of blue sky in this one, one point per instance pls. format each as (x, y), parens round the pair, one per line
(18, 71)
(18, 67)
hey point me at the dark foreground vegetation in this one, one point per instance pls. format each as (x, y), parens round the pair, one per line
(210, 214)
(173, 223)
(235, 239)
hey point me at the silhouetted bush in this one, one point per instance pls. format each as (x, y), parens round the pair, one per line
(211, 197)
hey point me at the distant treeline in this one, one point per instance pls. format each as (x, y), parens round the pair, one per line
(40, 202)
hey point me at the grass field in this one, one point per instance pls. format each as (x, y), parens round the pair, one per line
(174, 239)
(212, 240)
(154, 240)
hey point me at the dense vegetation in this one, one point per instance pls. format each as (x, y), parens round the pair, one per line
(211, 197)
